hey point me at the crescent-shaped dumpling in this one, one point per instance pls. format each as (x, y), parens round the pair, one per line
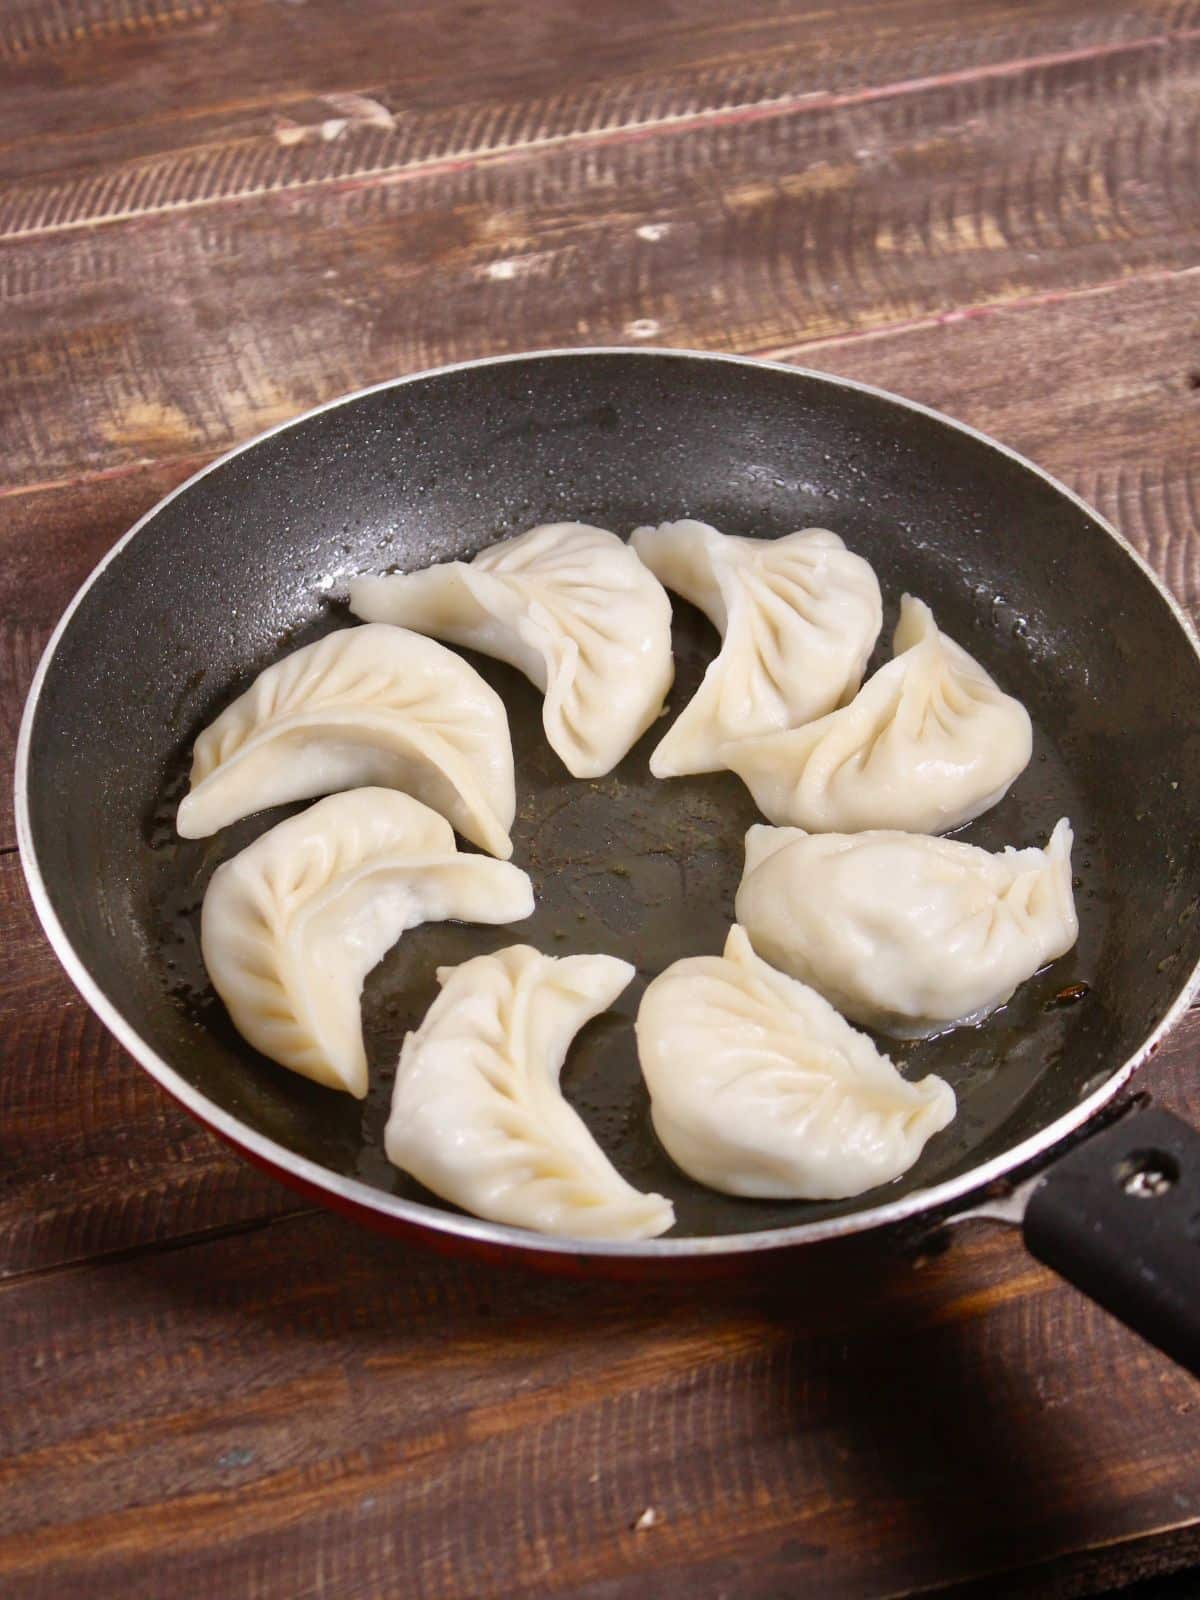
(905, 932)
(292, 925)
(799, 616)
(477, 1112)
(572, 608)
(372, 705)
(928, 743)
(759, 1088)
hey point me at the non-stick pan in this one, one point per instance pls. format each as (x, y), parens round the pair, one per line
(247, 561)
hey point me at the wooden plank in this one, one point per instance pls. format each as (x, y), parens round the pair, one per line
(1102, 389)
(95, 1157)
(186, 332)
(56, 27)
(191, 79)
(306, 1409)
(354, 136)
(997, 218)
(1106, 1569)
(50, 543)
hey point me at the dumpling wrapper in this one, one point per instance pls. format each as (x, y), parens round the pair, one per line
(568, 605)
(759, 1088)
(798, 616)
(366, 706)
(903, 932)
(928, 743)
(292, 925)
(477, 1112)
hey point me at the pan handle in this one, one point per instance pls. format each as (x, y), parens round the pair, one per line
(1119, 1217)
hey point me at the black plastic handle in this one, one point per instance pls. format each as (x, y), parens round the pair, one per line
(1119, 1217)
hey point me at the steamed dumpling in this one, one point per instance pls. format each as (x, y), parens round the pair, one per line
(477, 1112)
(903, 932)
(293, 924)
(799, 616)
(928, 743)
(572, 608)
(759, 1088)
(371, 705)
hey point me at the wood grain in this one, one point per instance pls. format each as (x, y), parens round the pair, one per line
(94, 1157)
(163, 77)
(356, 137)
(304, 1409)
(214, 213)
(51, 27)
(187, 332)
(1101, 388)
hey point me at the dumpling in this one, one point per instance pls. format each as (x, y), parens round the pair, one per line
(572, 608)
(477, 1112)
(927, 743)
(903, 932)
(292, 925)
(799, 616)
(759, 1088)
(371, 705)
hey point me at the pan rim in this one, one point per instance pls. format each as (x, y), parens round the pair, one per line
(354, 1194)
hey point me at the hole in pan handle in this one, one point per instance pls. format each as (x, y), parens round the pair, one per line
(1118, 1216)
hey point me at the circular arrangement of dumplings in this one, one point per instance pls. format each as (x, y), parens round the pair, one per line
(851, 908)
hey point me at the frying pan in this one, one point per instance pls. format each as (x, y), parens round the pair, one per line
(247, 561)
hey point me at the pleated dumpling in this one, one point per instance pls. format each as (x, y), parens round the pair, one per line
(798, 617)
(477, 1112)
(568, 605)
(904, 932)
(372, 705)
(292, 925)
(759, 1088)
(927, 743)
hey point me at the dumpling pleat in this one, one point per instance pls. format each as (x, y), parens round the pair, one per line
(291, 926)
(370, 706)
(477, 1112)
(908, 933)
(799, 616)
(570, 606)
(926, 745)
(759, 1088)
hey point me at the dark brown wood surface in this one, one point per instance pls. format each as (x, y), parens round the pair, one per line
(214, 213)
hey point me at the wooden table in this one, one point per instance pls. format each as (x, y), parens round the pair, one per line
(216, 213)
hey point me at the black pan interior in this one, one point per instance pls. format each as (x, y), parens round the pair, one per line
(247, 564)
